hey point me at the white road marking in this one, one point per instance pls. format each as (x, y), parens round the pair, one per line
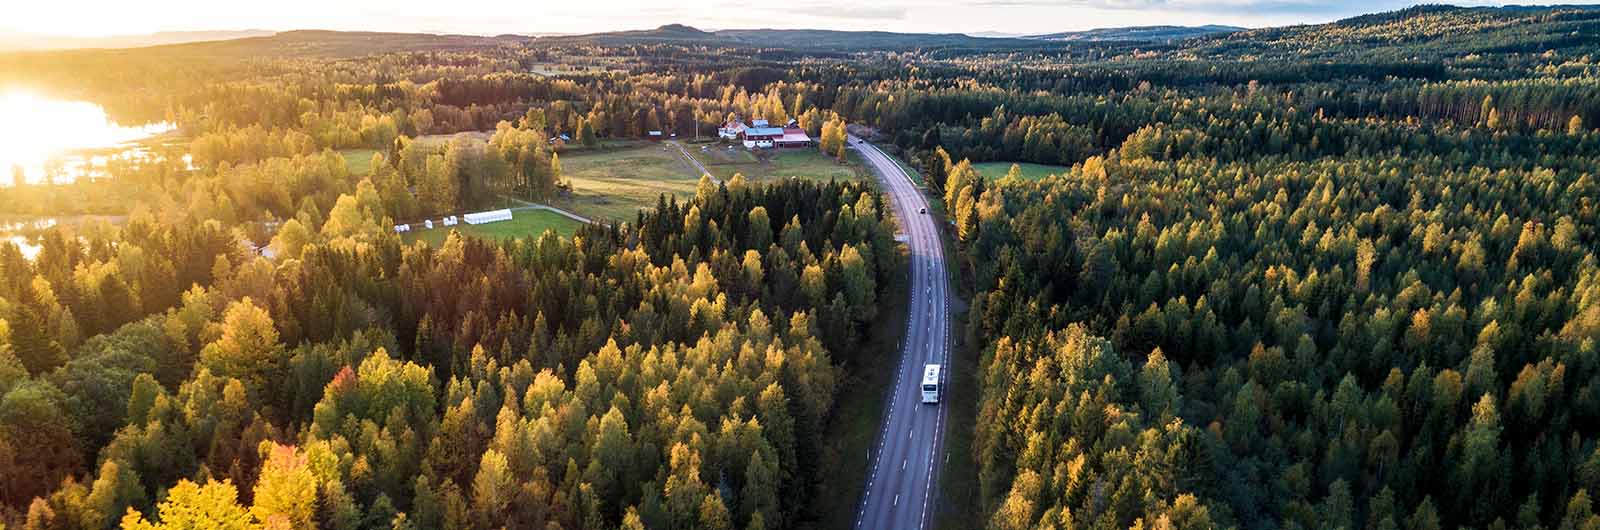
(927, 248)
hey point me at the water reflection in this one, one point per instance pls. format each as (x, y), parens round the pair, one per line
(12, 231)
(42, 137)
(29, 250)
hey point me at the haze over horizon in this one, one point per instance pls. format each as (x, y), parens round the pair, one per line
(65, 18)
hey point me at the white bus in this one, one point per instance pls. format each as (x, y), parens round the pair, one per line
(930, 383)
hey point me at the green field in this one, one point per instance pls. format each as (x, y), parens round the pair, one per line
(524, 223)
(724, 162)
(616, 179)
(996, 170)
(439, 141)
(358, 160)
(615, 184)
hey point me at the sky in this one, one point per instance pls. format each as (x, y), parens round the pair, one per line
(95, 18)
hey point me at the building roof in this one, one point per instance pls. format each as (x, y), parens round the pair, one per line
(794, 136)
(763, 131)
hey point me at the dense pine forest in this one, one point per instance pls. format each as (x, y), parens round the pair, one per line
(1329, 276)
(1300, 303)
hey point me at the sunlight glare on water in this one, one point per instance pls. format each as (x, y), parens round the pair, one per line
(29, 249)
(39, 134)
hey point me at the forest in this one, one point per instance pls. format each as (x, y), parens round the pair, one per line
(254, 347)
(1324, 276)
(1316, 304)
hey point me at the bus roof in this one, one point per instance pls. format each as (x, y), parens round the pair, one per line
(930, 374)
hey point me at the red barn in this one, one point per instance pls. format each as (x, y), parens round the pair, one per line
(793, 137)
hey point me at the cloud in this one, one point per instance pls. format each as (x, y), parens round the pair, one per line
(856, 12)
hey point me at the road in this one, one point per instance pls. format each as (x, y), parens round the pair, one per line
(536, 206)
(695, 164)
(902, 485)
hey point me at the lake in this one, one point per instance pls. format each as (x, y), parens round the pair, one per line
(62, 140)
(29, 249)
(14, 232)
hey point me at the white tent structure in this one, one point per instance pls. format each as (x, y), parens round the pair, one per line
(493, 216)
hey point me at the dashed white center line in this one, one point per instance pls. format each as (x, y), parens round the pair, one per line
(936, 334)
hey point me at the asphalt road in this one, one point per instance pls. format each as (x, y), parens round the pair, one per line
(901, 487)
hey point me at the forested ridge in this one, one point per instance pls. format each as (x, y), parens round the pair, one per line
(1292, 304)
(1261, 345)
(1327, 276)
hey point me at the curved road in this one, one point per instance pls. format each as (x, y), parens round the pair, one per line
(902, 483)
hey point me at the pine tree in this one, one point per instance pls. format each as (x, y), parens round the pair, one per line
(31, 340)
(493, 490)
(113, 493)
(586, 134)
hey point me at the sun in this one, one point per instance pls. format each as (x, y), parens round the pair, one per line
(35, 129)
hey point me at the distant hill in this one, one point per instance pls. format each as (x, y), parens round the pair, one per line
(1138, 33)
(313, 43)
(349, 43)
(997, 34)
(1426, 32)
(28, 41)
(1417, 35)
(800, 38)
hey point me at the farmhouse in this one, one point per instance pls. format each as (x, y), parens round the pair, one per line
(731, 130)
(762, 136)
(763, 133)
(776, 137)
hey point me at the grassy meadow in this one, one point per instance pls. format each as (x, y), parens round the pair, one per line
(995, 170)
(616, 179)
(615, 184)
(724, 162)
(523, 223)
